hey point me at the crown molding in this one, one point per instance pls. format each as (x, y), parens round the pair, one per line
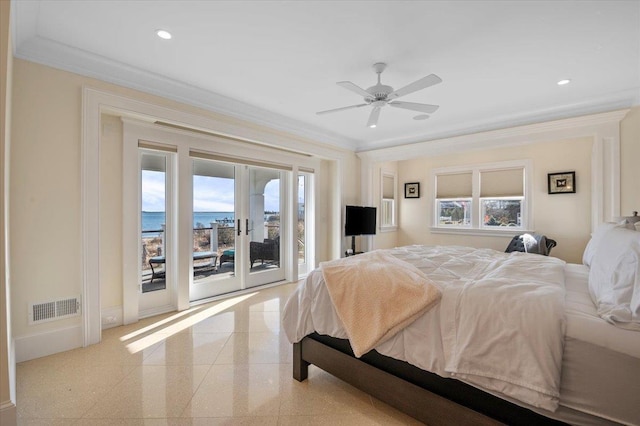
(610, 102)
(57, 55)
(586, 125)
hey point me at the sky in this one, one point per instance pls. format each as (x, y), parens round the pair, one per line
(209, 194)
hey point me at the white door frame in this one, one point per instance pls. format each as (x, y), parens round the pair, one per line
(94, 104)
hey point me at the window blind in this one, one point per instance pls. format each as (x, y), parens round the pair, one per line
(502, 183)
(457, 185)
(388, 187)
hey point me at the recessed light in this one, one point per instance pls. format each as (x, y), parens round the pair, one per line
(563, 82)
(163, 34)
(421, 117)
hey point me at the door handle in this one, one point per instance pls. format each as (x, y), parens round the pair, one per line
(239, 230)
(246, 228)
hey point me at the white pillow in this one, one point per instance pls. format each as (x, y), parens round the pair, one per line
(614, 277)
(594, 242)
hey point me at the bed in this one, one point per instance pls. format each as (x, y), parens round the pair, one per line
(574, 356)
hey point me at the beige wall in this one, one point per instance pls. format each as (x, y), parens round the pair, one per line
(7, 364)
(111, 212)
(630, 163)
(45, 190)
(565, 218)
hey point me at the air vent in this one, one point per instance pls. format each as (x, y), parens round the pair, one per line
(54, 310)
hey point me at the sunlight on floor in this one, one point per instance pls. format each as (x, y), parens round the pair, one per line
(161, 334)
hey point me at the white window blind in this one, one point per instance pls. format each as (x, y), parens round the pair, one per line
(502, 183)
(388, 184)
(457, 185)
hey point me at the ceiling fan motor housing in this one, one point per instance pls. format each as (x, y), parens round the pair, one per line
(380, 92)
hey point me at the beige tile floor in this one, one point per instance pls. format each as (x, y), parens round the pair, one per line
(223, 363)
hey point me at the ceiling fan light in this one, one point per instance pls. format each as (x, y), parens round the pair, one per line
(373, 126)
(164, 34)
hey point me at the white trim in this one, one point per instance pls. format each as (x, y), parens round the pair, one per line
(90, 223)
(526, 218)
(112, 312)
(156, 310)
(51, 53)
(507, 232)
(240, 292)
(130, 224)
(394, 222)
(575, 127)
(95, 102)
(48, 343)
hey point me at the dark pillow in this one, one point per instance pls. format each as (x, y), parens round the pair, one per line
(531, 243)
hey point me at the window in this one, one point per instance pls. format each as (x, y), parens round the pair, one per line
(387, 200)
(454, 199)
(482, 197)
(501, 197)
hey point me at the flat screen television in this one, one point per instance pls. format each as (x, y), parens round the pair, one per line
(360, 221)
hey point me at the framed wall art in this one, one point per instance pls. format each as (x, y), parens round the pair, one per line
(562, 183)
(412, 190)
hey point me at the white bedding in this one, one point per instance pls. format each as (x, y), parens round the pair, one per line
(489, 301)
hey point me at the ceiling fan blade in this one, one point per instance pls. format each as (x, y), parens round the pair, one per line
(429, 109)
(423, 83)
(373, 117)
(356, 89)
(340, 109)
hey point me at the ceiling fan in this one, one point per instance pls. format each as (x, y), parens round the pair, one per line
(380, 95)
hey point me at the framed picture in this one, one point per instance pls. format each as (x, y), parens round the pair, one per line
(562, 183)
(412, 190)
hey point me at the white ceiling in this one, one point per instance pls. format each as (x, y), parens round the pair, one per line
(277, 62)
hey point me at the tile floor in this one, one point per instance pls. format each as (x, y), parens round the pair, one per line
(225, 362)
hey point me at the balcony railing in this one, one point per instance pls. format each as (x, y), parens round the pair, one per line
(153, 241)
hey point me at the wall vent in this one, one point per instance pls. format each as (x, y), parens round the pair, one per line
(54, 310)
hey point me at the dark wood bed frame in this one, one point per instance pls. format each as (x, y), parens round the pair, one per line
(427, 397)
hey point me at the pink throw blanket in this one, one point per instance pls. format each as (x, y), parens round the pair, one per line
(376, 295)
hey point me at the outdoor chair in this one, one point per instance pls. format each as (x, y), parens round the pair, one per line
(268, 250)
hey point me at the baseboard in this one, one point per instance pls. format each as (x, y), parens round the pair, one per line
(111, 317)
(8, 414)
(156, 311)
(43, 344)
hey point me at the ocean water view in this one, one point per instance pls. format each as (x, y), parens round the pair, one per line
(152, 221)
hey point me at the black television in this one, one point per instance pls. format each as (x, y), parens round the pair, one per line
(359, 221)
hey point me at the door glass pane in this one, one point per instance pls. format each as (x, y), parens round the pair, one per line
(264, 219)
(301, 220)
(214, 236)
(153, 220)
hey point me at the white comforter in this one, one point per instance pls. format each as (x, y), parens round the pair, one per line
(499, 326)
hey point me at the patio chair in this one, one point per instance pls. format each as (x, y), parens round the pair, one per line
(268, 250)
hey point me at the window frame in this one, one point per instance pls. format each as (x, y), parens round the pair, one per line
(477, 226)
(394, 202)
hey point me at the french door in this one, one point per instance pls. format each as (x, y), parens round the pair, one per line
(157, 236)
(244, 208)
(203, 222)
